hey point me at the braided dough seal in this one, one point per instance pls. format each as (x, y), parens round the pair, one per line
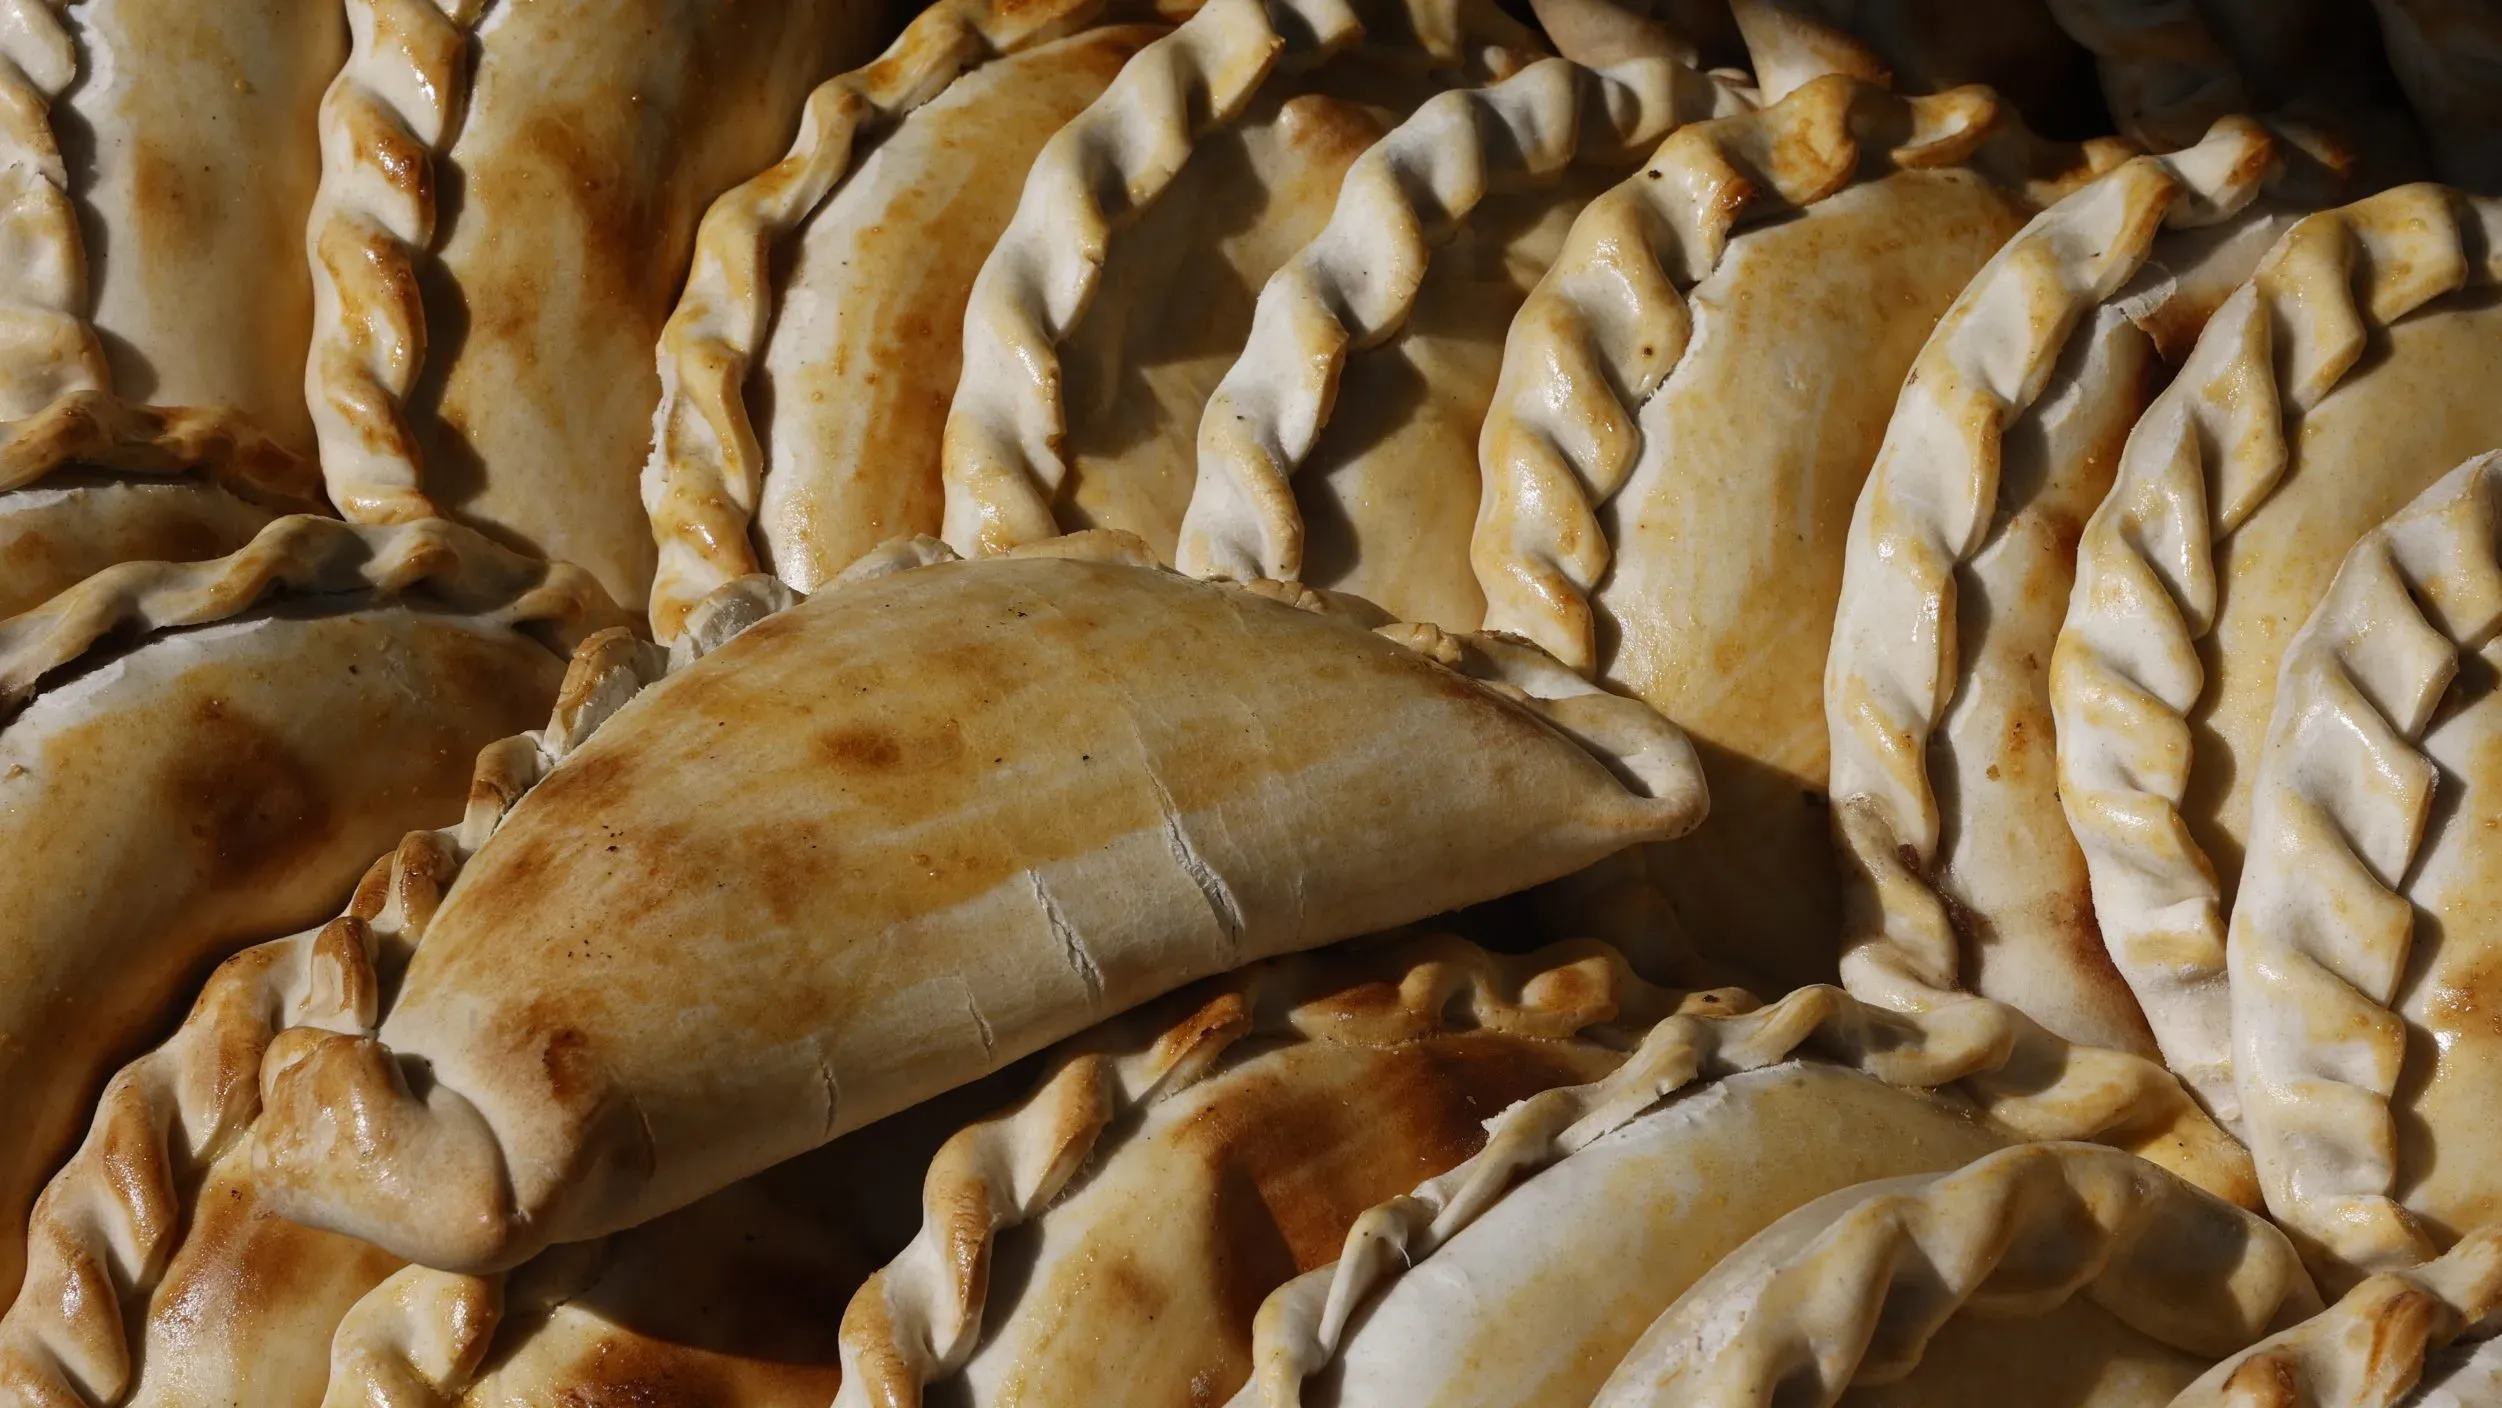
(499, 369)
(1641, 519)
(906, 852)
(1394, 486)
(2238, 492)
(1088, 336)
(1959, 871)
(903, 175)
(200, 754)
(2365, 1066)
(1857, 1287)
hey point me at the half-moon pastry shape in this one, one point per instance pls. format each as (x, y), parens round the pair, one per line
(2388, 1340)
(1641, 518)
(1124, 284)
(1591, 1209)
(2365, 1058)
(1959, 871)
(840, 449)
(1189, 1160)
(1044, 790)
(183, 770)
(2448, 58)
(496, 366)
(1863, 1288)
(1492, 176)
(2326, 392)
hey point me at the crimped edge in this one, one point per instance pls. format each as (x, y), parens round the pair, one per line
(2371, 1348)
(2319, 937)
(221, 446)
(1353, 286)
(1000, 454)
(2125, 671)
(1302, 1324)
(388, 117)
(106, 1227)
(1607, 324)
(2015, 1233)
(2165, 74)
(1928, 507)
(301, 556)
(51, 351)
(706, 468)
(920, 1317)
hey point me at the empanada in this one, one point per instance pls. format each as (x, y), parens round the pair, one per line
(2364, 1049)
(915, 827)
(203, 754)
(2321, 397)
(1176, 1171)
(1123, 286)
(1925, 46)
(1386, 442)
(799, 424)
(1649, 516)
(1959, 870)
(1592, 1209)
(2087, 1276)
(488, 354)
(2448, 56)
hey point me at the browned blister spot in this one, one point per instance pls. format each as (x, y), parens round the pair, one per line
(255, 804)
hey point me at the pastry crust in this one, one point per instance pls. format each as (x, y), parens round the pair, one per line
(1852, 1289)
(2033, 374)
(2448, 56)
(1354, 287)
(2253, 470)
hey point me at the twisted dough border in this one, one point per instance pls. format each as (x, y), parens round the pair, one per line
(919, 1318)
(302, 556)
(2125, 671)
(1607, 324)
(1303, 1323)
(706, 468)
(107, 1226)
(1001, 461)
(388, 117)
(2018, 1232)
(1354, 285)
(1928, 507)
(2369, 1349)
(2321, 931)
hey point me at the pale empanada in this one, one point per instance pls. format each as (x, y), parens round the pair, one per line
(799, 425)
(1592, 1209)
(1386, 443)
(183, 770)
(1667, 488)
(2364, 1043)
(1925, 46)
(2084, 1275)
(488, 354)
(1175, 1171)
(2321, 397)
(2448, 55)
(1959, 871)
(1124, 284)
(163, 157)
(2392, 1333)
(918, 826)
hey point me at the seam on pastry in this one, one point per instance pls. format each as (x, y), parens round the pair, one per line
(706, 469)
(1929, 506)
(1353, 286)
(2015, 1233)
(1606, 326)
(2321, 931)
(1301, 1326)
(2369, 1348)
(388, 118)
(919, 1318)
(2208, 451)
(1001, 462)
(106, 1227)
(557, 602)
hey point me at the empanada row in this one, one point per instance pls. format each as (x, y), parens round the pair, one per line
(1281, 702)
